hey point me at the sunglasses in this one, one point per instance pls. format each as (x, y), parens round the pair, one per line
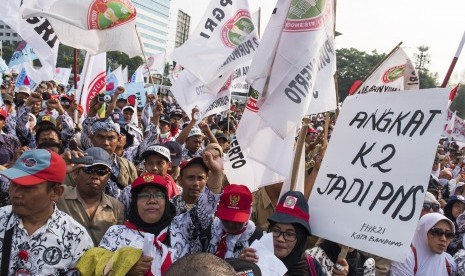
(438, 232)
(428, 206)
(98, 171)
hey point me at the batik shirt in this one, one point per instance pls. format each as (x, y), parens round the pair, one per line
(186, 154)
(185, 228)
(53, 249)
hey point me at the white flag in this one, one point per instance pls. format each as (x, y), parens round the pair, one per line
(93, 77)
(137, 76)
(125, 75)
(62, 75)
(225, 38)
(190, 92)
(156, 64)
(300, 45)
(394, 74)
(114, 79)
(38, 33)
(242, 170)
(96, 26)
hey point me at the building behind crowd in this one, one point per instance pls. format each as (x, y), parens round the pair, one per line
(152, 21)
(7, 34)
(182, 28)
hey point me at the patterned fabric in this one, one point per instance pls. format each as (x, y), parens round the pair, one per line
(9, 144)
(119, 236)
(67, 129)
(234, 243)
(4, 196)
(112, 188)
(459, 259)
(86, 132)
(180, 205)
(327, 265)
(185, 228)
(107, 125)
(186, 154)
(10, 124)
(53, 249)
(23, 133)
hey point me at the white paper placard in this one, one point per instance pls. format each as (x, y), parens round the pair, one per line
(373, 179)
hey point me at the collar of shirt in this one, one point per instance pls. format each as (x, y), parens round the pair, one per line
(72, 193)
(52, 224)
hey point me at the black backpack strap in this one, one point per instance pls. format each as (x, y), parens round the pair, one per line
(256, 235)
(6, 251)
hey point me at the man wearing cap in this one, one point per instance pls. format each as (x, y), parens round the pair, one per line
(193, 178)
(86, 202)
(36, 237)
(8, 143)
(104, 133)
(175, 119)
(128, 112)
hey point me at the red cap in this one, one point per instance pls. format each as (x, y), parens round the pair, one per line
(150, 179)
(311, 130)
(3, 113)
(235, 203)
(37, 166)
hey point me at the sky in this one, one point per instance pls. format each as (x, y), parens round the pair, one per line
(368, 25)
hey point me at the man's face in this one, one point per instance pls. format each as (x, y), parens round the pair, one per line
(127, 115)
(91, 181)
(175, 121)
(107, 140)
(33, 201)
(121, 104)
(36, 107)
(193, 143)
(164, 127)
(157, 164)
(48, 135)
(192, 180)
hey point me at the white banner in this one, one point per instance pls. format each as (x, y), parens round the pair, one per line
(454, 127)
(125, 75)
(242, 170)
(94, 79)
(299, 47)
(376, 169)
(95, 26)
(38, 33)
(224, 38)
(395, 73)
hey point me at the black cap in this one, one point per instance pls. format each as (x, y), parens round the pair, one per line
(292, 208)
(243, 267)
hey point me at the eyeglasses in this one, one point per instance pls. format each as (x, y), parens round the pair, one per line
(148, 196)
(438, 232)
(288, 235)
(100, 172)
(428, 206)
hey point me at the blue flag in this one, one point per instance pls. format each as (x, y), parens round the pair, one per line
(23, 53)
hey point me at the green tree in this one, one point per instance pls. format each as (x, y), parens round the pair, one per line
(422, 59)
(353, 65)
(115, 59)
(8, 50)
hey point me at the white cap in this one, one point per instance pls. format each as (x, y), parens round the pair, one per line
(129, 107)
(162, 150)
(24, 89)
(195, 131)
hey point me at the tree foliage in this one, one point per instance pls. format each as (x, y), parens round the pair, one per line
(422, 59)
(353, 65)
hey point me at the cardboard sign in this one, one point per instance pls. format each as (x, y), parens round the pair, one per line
(371, 185)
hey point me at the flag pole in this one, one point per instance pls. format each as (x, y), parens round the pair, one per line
(298, 152)
(454, 61)
(336, 88)
(75, 69)
(379, 64)
(145, 60)
(258, 23)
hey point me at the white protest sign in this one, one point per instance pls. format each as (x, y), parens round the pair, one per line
(454, 127)
(137, 89)
(372, 182)
(220, 104)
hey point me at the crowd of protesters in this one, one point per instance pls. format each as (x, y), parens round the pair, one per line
(142, 191)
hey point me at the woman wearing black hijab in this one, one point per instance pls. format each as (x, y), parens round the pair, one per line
(150, 216)
(290, 229)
